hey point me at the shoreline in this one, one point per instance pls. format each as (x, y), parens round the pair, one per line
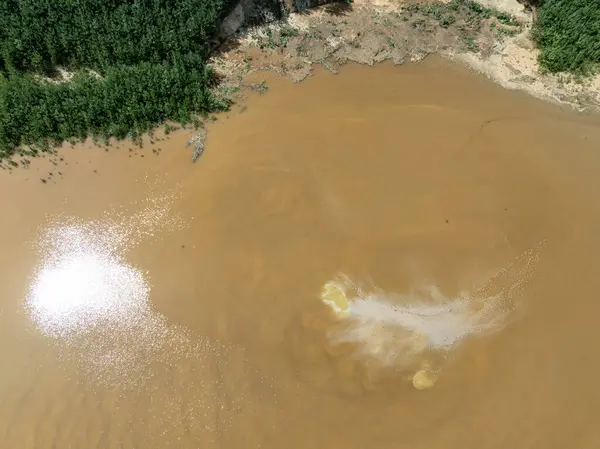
(373, 31)
(490, 37)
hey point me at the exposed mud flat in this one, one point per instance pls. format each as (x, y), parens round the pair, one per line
(369, 32)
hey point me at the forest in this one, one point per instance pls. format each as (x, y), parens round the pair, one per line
(135, 64)
(567, 33)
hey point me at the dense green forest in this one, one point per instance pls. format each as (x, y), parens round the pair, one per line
(148, 58)
(568, 35)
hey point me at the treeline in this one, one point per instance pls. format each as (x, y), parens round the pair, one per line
(147, 58)
(568, 35)
(128, 100)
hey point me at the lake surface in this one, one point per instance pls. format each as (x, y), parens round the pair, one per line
(148, 302)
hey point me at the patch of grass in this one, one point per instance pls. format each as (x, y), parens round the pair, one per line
(288, 31)
(447, 20)
(486, 13)
(507, 31)
(433, 10)
(438, 10)
(419, 24)
(277, 38)
(471, 43)
(568, 35)
(467, 16)
(271, 42)
(473, 11)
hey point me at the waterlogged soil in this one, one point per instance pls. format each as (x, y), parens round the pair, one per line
(493, 38)
(148, 302)
(362, 33)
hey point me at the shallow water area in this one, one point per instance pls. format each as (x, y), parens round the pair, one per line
(151, 302)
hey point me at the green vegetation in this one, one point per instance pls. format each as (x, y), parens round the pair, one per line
(568, 35)
(38, 35)
(128, 100)
(470, 10)
(147, 58)
(471, 43)
(566, 31)
(276, 37)
(486, 13)
(467, 17)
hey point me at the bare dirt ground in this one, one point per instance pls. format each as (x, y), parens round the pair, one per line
(491, 36)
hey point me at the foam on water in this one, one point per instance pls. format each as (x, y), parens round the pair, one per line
(443, 324)
(403, 329)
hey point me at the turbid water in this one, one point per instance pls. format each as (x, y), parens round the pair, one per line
(148, 302)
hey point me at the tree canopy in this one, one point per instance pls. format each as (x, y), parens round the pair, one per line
(568, 35)
(137, 63)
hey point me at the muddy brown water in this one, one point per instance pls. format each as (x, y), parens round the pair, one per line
(153, 303)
